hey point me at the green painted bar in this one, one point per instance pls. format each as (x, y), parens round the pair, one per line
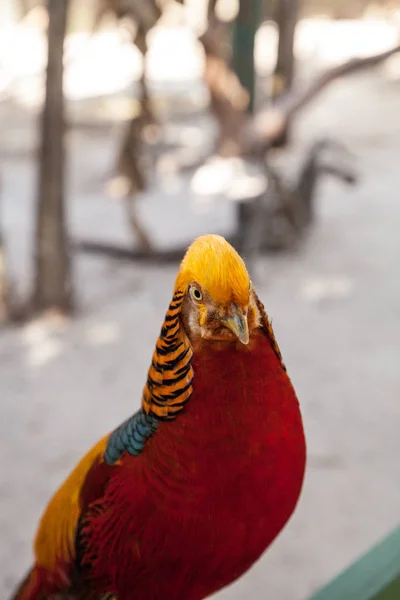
(375, 576)
(243, 45)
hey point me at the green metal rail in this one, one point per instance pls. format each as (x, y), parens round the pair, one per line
(244, 34)
(375, 576)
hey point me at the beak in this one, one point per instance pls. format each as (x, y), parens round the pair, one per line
(237, 323)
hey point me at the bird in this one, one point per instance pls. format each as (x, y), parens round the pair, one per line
(185, 495)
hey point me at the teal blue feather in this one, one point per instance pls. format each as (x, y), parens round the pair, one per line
(130, 437)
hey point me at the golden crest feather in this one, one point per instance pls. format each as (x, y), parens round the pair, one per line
(212, 263)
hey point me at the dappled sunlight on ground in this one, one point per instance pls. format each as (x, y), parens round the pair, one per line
(231, 177)
(101, 333)
(43, 340)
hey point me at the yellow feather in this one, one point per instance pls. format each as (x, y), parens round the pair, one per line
(212, 263)
(55, 539)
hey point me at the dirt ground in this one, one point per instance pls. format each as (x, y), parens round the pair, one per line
(335, 305)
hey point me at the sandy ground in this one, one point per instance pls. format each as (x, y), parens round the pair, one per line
(336, 311)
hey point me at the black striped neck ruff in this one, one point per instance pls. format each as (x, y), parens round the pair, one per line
(169, 380)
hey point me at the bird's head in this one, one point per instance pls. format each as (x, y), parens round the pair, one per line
(219, 303)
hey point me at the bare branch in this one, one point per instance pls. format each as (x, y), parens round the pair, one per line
(228, 98)
(269, 124)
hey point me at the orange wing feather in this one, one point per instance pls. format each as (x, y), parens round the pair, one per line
(55, 538)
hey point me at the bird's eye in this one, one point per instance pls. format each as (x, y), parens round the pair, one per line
(196, 294)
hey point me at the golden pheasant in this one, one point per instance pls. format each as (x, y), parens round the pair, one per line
(185, 495)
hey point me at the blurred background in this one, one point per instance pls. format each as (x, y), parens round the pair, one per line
(273, 122)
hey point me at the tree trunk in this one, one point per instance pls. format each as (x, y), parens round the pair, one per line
(211, 9)
(140, 42)
(53, 276)
(228, 99)
(286, 16)
(130, 167)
